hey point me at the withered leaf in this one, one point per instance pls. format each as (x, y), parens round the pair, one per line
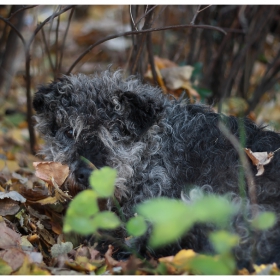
(12, 195)
(9, 202)
(14, 257)
(50, 169)
(9, 238)
(259, 159)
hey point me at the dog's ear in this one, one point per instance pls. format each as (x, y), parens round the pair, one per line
(38, 102)
(143, 110)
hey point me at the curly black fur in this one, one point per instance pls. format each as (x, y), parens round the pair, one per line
(160, 147)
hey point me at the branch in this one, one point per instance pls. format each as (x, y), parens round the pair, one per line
(15, 29)
(195, 15)
(47, 20)
(145, 14)
(244, 161)
(64, 38)
(20, 10)
(110, 37)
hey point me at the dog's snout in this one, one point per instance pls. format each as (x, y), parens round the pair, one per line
(82, 175)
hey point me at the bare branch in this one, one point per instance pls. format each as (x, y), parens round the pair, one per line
(20, 10)
(204, 8)
(110, 37)
(47, 49)
(244, 161)
(132, 19)
(64, 38)
(195, 15)
(15, 29)
(145, 14)
(48, 19)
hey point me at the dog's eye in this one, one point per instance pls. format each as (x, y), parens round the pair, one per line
(69, 133)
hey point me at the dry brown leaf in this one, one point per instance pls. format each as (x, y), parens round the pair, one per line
(14, 257)
(259, 159)
(8, 237)
(175, 77)
(9, 202)
(50, 169)
(164, 62)
(10, 164)
(110, 261)
(59, 194)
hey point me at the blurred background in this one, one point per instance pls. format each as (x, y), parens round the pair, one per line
(227, 56)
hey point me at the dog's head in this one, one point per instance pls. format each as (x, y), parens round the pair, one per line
(94, 117)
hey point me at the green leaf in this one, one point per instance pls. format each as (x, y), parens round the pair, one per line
(223, 241)
(170, 218)
(208, 265)
(161, 210)
(136, 226)
(103, 181)
(106, 220)
(78, 224)
(213, 209)
(79, 214)
(84, 204)
(5, 269)
(264, 220)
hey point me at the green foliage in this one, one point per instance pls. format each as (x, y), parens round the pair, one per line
(212, 265)
(214, 209)
(223, 241)
(264, 221)
(5, 269)
(136, 226)
(106, 220)
(103, 181)
(83, 215)
(170, 219)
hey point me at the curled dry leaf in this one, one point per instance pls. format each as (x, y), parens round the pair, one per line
(50, 169)
(9, 202)
(259, 159)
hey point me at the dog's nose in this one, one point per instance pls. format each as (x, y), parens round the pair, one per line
(82, 175)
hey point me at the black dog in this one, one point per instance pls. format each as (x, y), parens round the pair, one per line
(159, 146)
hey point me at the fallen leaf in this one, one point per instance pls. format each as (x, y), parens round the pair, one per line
(9, 202)
(13, 257)
(9, 238)
(110, 261)
(50, 169)
(10, 164)
(12, 195)
(5, 269)
(175, 77)
(259, 159)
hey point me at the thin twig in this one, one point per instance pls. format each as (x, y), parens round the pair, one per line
(244, 161)
(146, 26)
(56, 48)
(204, 8)
(64, 38)
(48, 19)
(159, 13)
(146, 13)
(195, 15)
(47, 49)
(20, 10)
(151, 57)
(132, 19)
(110, 37)
(14, 28)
